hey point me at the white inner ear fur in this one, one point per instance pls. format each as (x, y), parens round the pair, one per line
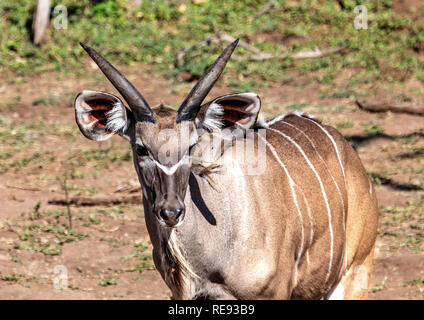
(213, 116)
(116, 118)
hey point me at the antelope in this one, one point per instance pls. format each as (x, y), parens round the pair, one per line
(304, 228)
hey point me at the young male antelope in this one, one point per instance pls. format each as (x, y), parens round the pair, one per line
(304, 228)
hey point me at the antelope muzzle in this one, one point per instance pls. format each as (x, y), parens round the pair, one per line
(170, 212)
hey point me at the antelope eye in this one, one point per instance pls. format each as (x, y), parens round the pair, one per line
(141, 150)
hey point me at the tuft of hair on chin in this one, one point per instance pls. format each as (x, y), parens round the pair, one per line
(116, 119)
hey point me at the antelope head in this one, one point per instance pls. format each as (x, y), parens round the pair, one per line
(162, 138)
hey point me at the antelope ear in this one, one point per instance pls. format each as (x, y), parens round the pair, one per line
(100, 115)
(229, 111)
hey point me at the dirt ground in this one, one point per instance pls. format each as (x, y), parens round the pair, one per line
(106, 253)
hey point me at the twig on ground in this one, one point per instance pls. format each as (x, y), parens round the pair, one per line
(23, 188)
(181, 54)
(130, 187)
(256, 54)
(384, 107)
(317, 53)
(267, 8)
(96, 201)
(68, 207)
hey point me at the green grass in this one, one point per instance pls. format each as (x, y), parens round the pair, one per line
(296, 106)
(414, 282)
(344, 125)
(403, 225)
(379, 287)
(373, 130)
(47, 238)
(101, 158)
(156, 31)
(107, 282)
(146, 262)
(146, 259)
(83, 190)
(19, 136)
(94, 219)
(11, 278)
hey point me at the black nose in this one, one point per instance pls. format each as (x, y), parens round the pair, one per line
(170, 216)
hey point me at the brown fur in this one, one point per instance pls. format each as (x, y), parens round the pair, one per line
(267, 236)
(273, 272)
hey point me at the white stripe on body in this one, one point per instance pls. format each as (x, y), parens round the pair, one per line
(308, 209)
(271, 122)
(338, 158)
(292, 185)
(336, 293)
(311, 236)
(325, 164)
(332, 141)
(323, 193)
(334, 180)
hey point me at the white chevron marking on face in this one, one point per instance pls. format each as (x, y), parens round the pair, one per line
(170, 170)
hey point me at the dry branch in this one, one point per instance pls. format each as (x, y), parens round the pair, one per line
(255, 54)
(267, 8)
(96, 201)
(23, 188)
(129, 187)
(258, 54)
(384, 107)
(317, 53)
(181, 54)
